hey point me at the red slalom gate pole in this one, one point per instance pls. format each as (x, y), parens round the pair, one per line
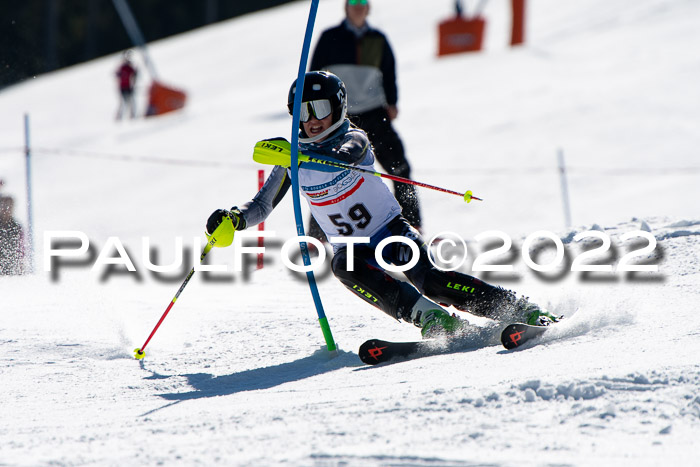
(261, 226)
(139, 352)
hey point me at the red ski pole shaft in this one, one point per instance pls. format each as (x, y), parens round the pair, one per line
(278, 152)
(139, 353)
(396, 178)
(468, 196)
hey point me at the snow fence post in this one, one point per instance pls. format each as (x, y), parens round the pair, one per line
(325, 327)
(564, 188)
(30, 220)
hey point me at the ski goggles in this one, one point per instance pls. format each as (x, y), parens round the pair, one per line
(319, 109)
(357, 2)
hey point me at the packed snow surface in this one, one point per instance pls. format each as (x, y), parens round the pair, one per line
(238, 373)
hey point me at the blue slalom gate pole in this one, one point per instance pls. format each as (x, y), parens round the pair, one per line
(330, 343)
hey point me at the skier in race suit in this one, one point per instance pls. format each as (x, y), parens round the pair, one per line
(347, 203)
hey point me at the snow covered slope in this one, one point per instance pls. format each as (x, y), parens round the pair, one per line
(235, 376)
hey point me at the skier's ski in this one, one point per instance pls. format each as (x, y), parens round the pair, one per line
(515, 335)
(376, 351)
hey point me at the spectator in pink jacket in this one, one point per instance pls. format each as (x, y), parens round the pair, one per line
(126, 76)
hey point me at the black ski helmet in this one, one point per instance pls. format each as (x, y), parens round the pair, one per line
(319, 85)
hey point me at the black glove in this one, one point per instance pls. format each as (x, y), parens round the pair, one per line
(217, 216)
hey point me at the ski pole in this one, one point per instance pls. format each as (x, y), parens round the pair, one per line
(467, 196)
(278, 152)
(139, 352)
(224, 233)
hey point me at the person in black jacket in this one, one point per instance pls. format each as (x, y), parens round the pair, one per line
(362, 57)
